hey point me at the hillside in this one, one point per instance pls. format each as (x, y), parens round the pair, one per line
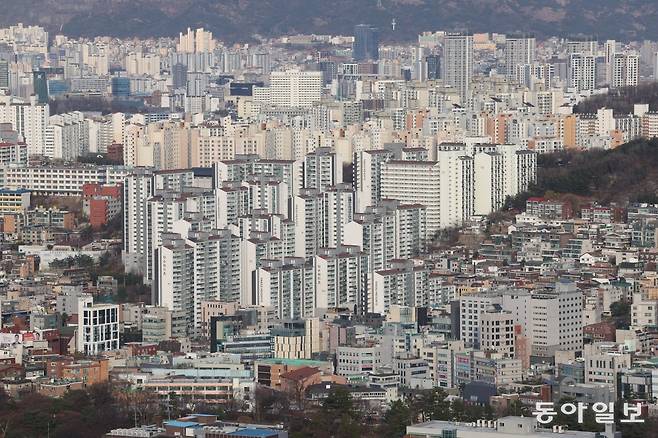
(232, 20)
(628, 173)
(622, 100)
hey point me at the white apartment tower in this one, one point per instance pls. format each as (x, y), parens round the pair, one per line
(322, 169)
(287, 286)
(404, 284)
(625, 70)
(173, 275)
(341, 278)
(258, 247)
(458, 62)
(582, 72)
(609, 51)
(339, 202)
(162, 211)
(216, 268)
(415, 182)
(30, 119)
(137, 189)
(294, 88)
(195, 41)
(457, 185)
(390, 230)
(310, 217)
(368, 177)
(490, 182)
(518, 51)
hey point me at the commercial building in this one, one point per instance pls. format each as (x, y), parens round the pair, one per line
(98, 327)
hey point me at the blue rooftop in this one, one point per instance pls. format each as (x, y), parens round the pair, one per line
(253, 432)
(176, 423)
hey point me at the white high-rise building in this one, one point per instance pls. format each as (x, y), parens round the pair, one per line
(310, 217)
(489, 182)
(100, 135)
(625, 70)
(320, 218)
(322, 169)
(557, 320)
(518, 51)
(216, 268)
(258, 247)
(195, 266)
(471, 309)
(582, 72)
(586, 46)
(294, 88)
(404, 284)
(520, 168)
(232, 201)
(457, 186)
(550, 319)
(162, 211)
(390, 230)
(137, 189)
(195, 41)
(415, 182)
(139, 64)
(29, 119)
(266, 193)
(458, 62)
(136, 148)
(367, 177)
(339, 206)
(67, 136)
(287, 286)
(341, 278)
(609, 51)
(238, 169)
(173, 275)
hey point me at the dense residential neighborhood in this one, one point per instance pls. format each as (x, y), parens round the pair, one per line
(328, 236)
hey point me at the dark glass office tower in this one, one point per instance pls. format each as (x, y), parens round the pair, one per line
(433, 67)
(40, 83)
(366, 43)
(179, 75)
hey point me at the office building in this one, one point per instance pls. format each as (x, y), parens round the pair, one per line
(40, 83)
(366, 43)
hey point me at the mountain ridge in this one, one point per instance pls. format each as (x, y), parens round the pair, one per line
(235, 20)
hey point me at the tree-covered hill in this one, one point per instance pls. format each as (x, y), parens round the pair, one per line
(622, 100)
(628, 173)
